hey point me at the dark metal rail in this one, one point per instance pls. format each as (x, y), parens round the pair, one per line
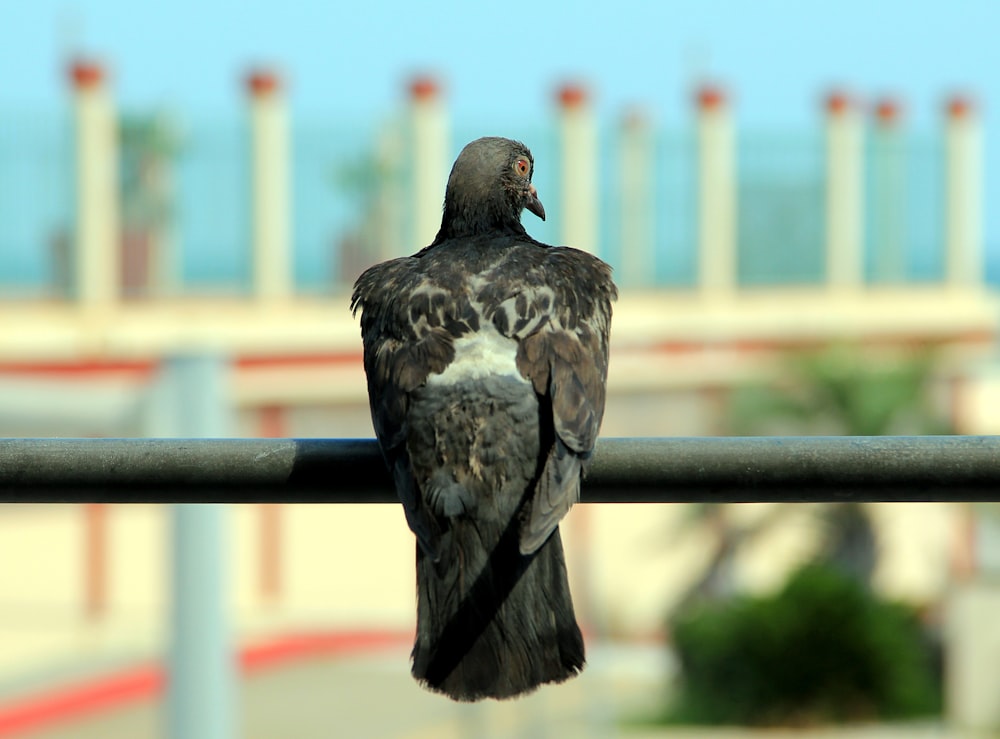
(668, 470)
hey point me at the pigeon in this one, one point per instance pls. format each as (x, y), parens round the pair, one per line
(486, 355)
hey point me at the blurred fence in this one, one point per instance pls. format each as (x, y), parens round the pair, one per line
(36, 203)
(780, 200)
(351, 200)
(212, 204)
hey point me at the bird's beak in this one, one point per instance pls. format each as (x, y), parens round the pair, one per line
(534, 204)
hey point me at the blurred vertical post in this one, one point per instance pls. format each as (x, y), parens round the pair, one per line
(95, 560)
(386, 225)
(579, 160)
(717, 259)
(430, 159)
(972, 603)
(973, 656)
(191, 401)
(579, 227)
(97, 257)
(578, 218)
(844, 194)
(636, 193)
(271, 188)
(888, 192)
(963, 194)
(164, 256)
(272, 426)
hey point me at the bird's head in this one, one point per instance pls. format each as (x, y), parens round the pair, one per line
(489, 186)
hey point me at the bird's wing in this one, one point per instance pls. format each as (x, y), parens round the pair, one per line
(560, 313)
(403, 344)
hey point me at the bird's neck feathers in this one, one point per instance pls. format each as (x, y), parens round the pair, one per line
(467, 217)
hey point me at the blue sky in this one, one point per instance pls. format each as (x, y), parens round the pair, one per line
(501, 61)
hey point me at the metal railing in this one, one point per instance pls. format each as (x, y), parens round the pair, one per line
(675, 470)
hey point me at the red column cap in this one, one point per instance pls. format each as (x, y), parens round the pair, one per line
(838, 101)
(572, 95)
(86, 73)
(960, 106)
(262, 82)
(888, 111)
(424, 87)
(710, 97)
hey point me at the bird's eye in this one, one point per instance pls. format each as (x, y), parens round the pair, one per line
(522, 167)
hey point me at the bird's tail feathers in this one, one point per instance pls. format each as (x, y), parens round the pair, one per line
(491, 622)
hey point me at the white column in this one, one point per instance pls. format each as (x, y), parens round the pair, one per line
(270, 188)
(97, 256)
(844, 194)
(963, 195)
(889, 194)
(431, 162)
(635, 194)
(578, 213)
(717, 258)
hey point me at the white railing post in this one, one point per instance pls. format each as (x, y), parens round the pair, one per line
(97, 254)
(963, 194)
(429, 126)
(717, 258)
(578, 210)
(844, 194)
(270, 188)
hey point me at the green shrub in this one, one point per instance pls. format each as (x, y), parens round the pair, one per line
(822, 649)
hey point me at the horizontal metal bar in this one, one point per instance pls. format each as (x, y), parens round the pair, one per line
(719, 470)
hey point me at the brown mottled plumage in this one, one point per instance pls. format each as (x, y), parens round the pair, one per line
(487, 355)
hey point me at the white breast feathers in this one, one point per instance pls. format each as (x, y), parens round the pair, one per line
(486, 353)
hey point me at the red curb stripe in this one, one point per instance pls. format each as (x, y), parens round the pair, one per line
(300, 646)
(77, 368)
(80, 700)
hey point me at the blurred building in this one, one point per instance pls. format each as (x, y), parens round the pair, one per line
(125, 240)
